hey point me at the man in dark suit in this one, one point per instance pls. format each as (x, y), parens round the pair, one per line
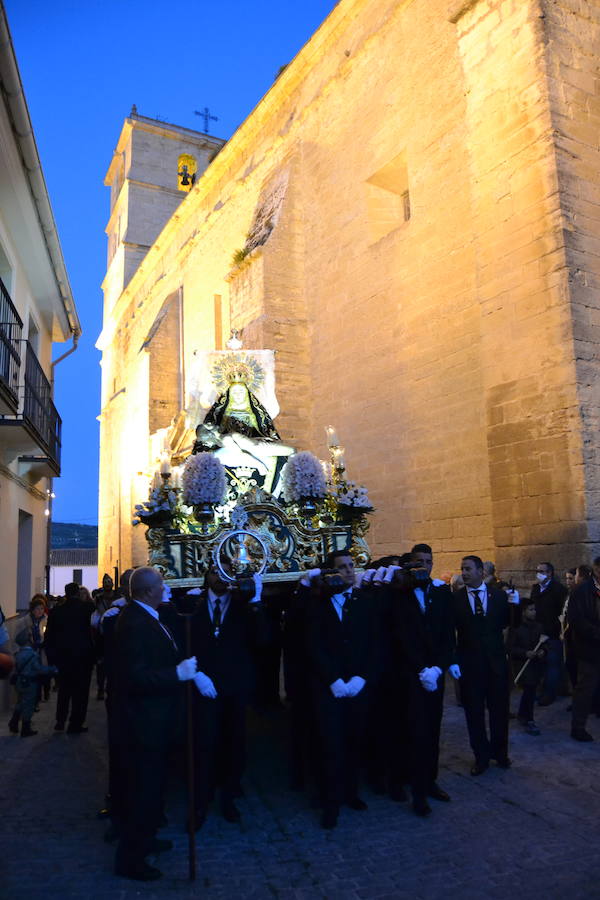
(584, 623)
(147, 675)
(342, 656)
(425, 635)
(68, 642)
(227, 629)
(480, 616)
(549, 596)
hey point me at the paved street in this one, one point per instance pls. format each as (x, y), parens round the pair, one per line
(532, 831)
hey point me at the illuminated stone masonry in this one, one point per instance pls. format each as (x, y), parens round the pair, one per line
(409, 218)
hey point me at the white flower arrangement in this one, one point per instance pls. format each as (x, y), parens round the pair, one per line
(203, 480)
(303, 476)
(349, 493)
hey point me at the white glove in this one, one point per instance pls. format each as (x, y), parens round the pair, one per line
(308, 576)
(379, 575)
(455, 671)
(187, 669)
(365, 577)
(429, 677)
(166, 594)
(205, 685)
(339, 688)
(390, 572)
(513, 596)
(355, 686)
(257, 588)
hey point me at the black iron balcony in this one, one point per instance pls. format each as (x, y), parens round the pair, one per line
(11, 327)
(37, 425)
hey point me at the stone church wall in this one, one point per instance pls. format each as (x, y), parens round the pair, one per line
(398, 200)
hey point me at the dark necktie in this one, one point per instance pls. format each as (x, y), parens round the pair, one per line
(345, 606)
(479, 611)
(216, 617)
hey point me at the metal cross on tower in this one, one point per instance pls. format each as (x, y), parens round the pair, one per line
(205, 114)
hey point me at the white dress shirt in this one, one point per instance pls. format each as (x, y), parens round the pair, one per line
(338, 601)
(483, 596)
(420, 595)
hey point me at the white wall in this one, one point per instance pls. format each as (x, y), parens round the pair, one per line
(61, 575)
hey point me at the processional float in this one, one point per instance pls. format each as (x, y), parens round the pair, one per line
(228, 491)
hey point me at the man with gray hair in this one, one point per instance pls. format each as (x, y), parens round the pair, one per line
(148, 672)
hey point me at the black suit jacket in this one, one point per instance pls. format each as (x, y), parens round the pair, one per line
(425, 639)
(147, 693)
(68, 636)
(584, 622)
(480, 643)
(342, 649)
(230, 658)
(549, 606)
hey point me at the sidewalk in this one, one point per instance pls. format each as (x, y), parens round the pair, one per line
(532, 831)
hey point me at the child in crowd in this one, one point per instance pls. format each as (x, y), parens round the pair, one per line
(28, 670)
(521, 645)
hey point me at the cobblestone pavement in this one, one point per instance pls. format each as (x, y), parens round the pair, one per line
(532, 831)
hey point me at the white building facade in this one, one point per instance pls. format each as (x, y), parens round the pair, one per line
(36, 310)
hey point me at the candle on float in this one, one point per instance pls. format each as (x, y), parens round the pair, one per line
(339, 457)
(165, 466)
(332, 437)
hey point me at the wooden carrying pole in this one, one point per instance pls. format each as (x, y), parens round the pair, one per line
(541, 641)
(190, 759)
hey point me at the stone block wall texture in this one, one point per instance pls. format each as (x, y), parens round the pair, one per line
(454, 351)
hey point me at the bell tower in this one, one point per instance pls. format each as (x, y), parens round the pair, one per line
(154, 166)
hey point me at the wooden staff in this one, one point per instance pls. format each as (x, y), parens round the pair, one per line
(190, 759)
(541, 641)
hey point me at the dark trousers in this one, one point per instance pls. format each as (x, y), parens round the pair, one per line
(386, 740)
(527, 700)
(302, 736)
(481, 688)
(117, 768)
(74, 678)
(588, 676)
(424, 720)
(340, 726)
(100, 676)
(219, 746)
(554, 668)
(145, 772)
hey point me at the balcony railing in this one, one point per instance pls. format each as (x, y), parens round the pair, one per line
(11, 327)
(38, 409)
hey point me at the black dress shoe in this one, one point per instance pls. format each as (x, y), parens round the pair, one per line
(503, 762)
(478, 768)
(139, 872)
(398, 794)
(77, 729)
(230, 811)
(159, 845)
(356, 803)
(421, 807)
(437, 793)
(580, 734)
(329, 817)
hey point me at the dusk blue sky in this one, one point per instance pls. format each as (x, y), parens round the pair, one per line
(83, 64)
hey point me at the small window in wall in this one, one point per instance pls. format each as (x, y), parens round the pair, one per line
(78, 576)
(186, 172)
(388, 198)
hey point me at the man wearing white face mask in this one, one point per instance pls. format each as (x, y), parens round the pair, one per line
(549, 596)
